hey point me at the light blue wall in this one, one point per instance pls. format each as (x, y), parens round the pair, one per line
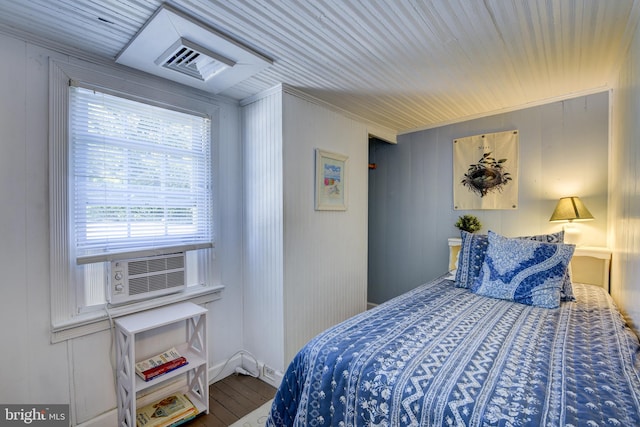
(563, 151)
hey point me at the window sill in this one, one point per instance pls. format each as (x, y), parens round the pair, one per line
(100, 320)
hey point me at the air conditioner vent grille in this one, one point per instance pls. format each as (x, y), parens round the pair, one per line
(146, 277)
(138, 286)
(193, 60)
(182, 48)
(175, 262)
(154, 265)
(175, 279)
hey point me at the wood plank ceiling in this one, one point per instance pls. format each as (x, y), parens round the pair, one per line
(402, 64)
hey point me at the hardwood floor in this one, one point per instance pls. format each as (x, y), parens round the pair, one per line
(232, 398)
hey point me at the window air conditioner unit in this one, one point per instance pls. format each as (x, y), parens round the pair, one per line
(147, 277)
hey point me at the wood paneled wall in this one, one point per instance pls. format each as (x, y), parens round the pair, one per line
(81, 363)
(263, 229)
(305, 270)
(624, 201)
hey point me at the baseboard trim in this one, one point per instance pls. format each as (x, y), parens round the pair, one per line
(224, 369)
(107, 419)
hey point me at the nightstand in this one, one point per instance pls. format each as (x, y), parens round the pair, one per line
(455, 244)
(591, 264)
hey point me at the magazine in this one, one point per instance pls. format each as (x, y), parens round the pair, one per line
(170, 411)
(158, 360)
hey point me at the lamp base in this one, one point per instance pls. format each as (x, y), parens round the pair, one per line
(571, 234)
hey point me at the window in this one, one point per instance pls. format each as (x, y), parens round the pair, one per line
(141, 180)
(131, 174)
(141, 175)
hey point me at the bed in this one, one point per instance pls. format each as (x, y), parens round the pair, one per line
(448, 355)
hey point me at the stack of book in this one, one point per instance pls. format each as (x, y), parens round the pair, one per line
(171, 411)
(160, 364)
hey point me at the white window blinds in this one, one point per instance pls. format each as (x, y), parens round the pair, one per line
(141, 175)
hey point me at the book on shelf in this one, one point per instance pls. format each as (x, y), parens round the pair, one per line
(150, 374)
(152, 362)
(171, 411)
(160, 364)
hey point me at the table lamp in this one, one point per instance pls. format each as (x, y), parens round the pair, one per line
(571, 209)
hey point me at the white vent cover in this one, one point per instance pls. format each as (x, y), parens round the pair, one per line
(178, 47)
(141, 278)
(193, 60)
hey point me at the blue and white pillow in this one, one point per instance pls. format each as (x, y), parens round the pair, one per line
(566, 293)
(470, 258)
(525, 271)
(474, 248)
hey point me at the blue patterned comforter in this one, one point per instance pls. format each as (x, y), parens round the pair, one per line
(442, 356)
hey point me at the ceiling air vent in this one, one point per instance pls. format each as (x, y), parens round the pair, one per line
(179, 47)
(193, 60)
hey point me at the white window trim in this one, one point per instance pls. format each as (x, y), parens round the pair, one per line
(66, 323)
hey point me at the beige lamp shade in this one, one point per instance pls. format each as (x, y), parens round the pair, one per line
(570, 209)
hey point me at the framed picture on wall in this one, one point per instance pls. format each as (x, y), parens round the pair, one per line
(331, 185)
(485, 171)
